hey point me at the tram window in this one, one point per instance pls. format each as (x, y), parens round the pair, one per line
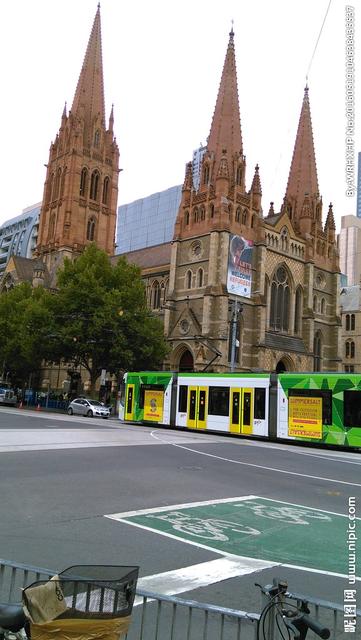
(260, 404)
(352, 408)
(326, 396)
(218, 403)
(182, 399)
(148, 387)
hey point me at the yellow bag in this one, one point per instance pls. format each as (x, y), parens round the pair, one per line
(80, 629)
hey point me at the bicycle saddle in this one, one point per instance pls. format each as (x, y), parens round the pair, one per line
(12, 617)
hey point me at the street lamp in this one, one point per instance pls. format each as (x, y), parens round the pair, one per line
(236, 308)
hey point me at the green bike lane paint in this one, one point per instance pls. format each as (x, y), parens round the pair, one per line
(253, 527)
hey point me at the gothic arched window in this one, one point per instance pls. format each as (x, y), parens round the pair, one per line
(211, 210)
(189, 280)
(298, 310)
(155, 295)
(57, 184)
(97, 138)
(63, 182)
(51, 227)
(90, 231)
(83, 182)
(317, 351)
(238, 215)
(105, 197)
(239, 175)
(49, 188)
(206, 174)
(280, 300)
(200, 278)
(195, 214)
(244, 216)
(94, 185)
(352, 322)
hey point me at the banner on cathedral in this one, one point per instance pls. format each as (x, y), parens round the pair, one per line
(239, 276)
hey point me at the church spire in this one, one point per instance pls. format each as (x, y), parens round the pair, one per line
(225, 133)
(89, 95)
(302, 179)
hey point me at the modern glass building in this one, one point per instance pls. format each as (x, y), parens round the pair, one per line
(18, 236)
(147, 222)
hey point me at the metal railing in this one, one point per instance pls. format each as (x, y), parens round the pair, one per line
(158, 617)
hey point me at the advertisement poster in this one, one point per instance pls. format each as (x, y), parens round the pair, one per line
(153, 405)
(239, 276)
(305, 417)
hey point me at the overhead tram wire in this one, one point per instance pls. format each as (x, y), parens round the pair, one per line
(317, 41)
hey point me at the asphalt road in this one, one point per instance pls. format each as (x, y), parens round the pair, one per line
(60, 476)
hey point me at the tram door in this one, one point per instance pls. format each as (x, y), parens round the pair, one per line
(197, 407)
(241, 418)
(129, 402)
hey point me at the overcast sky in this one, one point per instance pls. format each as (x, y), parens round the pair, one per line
(162, 66)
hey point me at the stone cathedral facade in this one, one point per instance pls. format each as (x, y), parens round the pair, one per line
(289, 318)
(286, 317)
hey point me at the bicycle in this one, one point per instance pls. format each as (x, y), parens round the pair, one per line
(95, 599)
(287, 617)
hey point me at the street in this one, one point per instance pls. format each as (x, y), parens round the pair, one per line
(203, 516)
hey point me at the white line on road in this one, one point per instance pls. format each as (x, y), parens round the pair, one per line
(256, 466)
(200, 575)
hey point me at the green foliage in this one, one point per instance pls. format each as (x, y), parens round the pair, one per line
(101, 318)
(98, 318)
(25, 319)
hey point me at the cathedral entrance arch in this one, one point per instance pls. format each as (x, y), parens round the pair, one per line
(186, 362)
(285, 364)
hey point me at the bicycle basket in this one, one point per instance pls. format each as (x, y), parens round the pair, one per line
(84, 592)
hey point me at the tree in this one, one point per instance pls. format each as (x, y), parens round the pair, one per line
(101, 318)
(25, 321)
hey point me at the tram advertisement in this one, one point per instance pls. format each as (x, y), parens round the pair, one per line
(153, 405)
(305, 417)
(239, 276)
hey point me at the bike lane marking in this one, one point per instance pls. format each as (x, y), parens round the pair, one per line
(251, 527)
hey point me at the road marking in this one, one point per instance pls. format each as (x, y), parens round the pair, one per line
(260, 466)
(200, 575)
(250, 527)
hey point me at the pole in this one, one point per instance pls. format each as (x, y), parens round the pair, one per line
(233, 334)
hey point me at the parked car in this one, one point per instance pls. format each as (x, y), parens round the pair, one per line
(87, 407)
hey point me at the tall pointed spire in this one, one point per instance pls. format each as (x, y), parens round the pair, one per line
(302, 180)
(225, 130)
(89, 95)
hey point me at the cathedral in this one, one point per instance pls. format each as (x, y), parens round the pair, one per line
(237, 288)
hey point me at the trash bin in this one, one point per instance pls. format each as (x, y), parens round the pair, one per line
(82, 602)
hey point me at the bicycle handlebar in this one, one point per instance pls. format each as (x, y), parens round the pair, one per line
(318, 628)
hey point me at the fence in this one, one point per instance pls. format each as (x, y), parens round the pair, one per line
(157, 617)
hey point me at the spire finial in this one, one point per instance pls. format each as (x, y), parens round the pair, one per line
(231, 33)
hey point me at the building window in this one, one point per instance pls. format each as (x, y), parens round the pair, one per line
(280, 300)
(57, 184)
(206, 174)
(49, 188)
(51, 227)
(323, 306)
(298, 310)
(349, 368)
(211, 210)
(97, 138)
(238, 215)
(90, 231)
(196, 215)
(94, 185)
(83, 182)
(188, 280)
(200, 278)
(352, 322)
(106, 190)
(155, 296)
(63, 182)
(244, 216)
(239, 176)
(317, 351)
(315, 303)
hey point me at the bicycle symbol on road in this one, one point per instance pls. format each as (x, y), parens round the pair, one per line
(206, 528)
(291, 515)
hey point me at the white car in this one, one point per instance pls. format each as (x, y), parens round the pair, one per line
(90, 408)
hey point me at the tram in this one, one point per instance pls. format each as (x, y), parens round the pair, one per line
(320, 408)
